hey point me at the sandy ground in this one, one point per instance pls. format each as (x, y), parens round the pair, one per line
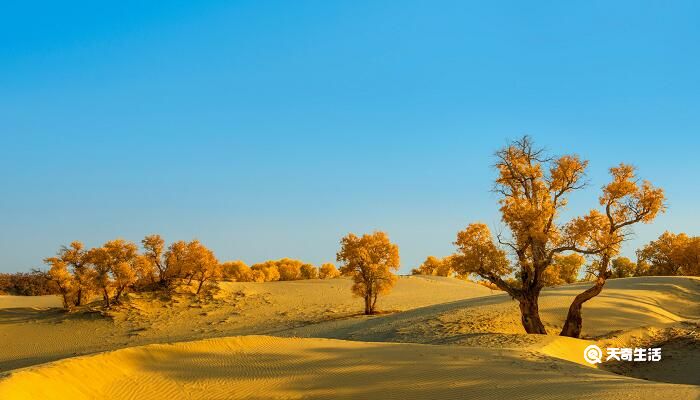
(267, 367)
(441, 338)
(30, 301)
(623, 305)
(32, 335)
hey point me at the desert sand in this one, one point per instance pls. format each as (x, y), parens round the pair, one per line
(438, 338)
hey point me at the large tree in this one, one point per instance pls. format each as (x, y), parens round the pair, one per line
(369, 260)
(534, 189)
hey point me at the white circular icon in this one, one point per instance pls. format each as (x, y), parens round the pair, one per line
(593, 354)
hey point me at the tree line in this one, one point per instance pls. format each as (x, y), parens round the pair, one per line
(669, 255)
(77, 273)
(535, 250)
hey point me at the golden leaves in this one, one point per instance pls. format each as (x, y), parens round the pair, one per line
(477, 253)
(628, 201)
(369, 260)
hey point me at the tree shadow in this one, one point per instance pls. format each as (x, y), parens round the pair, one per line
(48, 315)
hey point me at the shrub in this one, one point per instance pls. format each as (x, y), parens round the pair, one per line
(328, 271)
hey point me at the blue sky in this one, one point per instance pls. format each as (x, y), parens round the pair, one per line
(271, 129)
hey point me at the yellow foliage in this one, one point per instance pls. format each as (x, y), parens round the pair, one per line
(308, 271)
(369, 260)
(237, 271)
(564, 269)
(533, 189)
(436, 266)
(290, 270)
(672, 254)
(477, 254)
(268, 269)
(58, 273)
(203, 265)
(328, 271)
(623, 267)
(154, 247)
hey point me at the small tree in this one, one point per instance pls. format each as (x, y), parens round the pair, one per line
(145, 271)
(369, 260)
(177, 263)
(623, 267)
(308, 271)
(672, 254)
(154, 246)
(204, 265)
(268, 269)
(257, 276)
(124, 276)
(121, 256)
(328, 271)
(59, 275)
(74, 256)
(564, 269)
(113, 264)
(428, 267)
(102, 280)
(435, 266)
(237, 271)
(290, 270)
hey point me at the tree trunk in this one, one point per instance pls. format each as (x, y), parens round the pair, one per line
(530, 315)
(368, 304)
(574, 320)
(66, 301)
(199, 287)
(105, 296)
(79, 296)
(118, 295)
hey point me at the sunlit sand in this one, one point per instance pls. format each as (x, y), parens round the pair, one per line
(440, 338)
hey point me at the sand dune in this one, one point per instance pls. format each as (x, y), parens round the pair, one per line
(49, 301)
(32, 336)
(624, 304)
(266, 367)
(443, 338)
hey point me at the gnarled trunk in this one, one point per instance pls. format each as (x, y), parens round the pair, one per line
(574, 321)
(530, 315)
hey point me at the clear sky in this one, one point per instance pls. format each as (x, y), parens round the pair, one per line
(271, 129)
